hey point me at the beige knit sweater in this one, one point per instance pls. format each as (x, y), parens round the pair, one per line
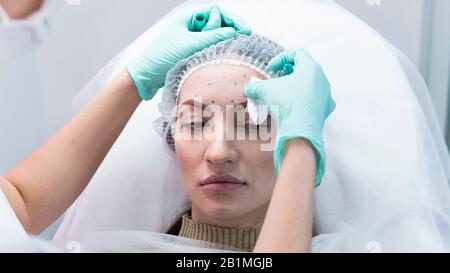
(241, 238)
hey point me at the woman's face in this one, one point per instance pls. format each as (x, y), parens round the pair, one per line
(228, 177)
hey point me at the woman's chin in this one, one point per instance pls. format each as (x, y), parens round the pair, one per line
(221, 209)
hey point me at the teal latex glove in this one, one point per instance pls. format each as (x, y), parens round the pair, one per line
(188, 32)
(304, 102)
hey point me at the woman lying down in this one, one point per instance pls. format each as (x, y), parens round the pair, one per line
(243, 116)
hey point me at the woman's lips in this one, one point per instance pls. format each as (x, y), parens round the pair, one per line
(221, 187)
(221, 183)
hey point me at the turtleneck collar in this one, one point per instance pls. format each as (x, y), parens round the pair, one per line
(241, 238)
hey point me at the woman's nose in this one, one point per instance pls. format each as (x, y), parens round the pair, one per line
(221, 153)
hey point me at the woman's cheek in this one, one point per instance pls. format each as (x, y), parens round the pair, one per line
(265, 162)
(189, 159)
(260, 162)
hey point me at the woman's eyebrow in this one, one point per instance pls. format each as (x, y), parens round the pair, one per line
(243, 104)
(197, 103)
(193, 103)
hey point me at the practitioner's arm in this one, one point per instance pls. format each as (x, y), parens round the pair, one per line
(288, 223)
(299, 103)
(46, 183)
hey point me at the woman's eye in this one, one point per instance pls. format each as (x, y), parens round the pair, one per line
(194, 125)
(250, 126)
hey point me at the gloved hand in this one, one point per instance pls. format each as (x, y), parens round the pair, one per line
(188, 32)
(304, 102)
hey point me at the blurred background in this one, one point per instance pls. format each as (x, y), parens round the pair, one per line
(86, 34)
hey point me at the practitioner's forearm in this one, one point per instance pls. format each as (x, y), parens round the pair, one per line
(287, 226)
(46, 183)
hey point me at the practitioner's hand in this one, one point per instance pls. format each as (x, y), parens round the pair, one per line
(304, 102)
(188, 32)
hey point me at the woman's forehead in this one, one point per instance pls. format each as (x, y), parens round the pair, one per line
(217, 83)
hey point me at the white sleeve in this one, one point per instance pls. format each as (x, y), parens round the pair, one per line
(13, 237)
(8, 219)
